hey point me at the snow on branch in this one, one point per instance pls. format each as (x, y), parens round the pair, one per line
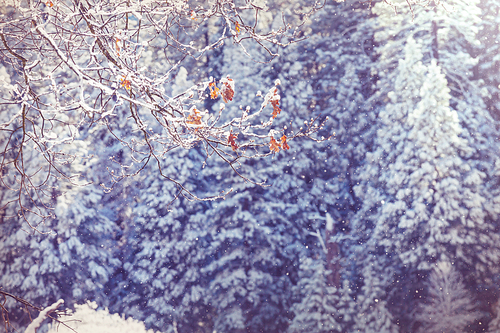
(35, 324)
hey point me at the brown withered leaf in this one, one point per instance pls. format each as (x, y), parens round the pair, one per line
(276, 108)
(231, 140)
(274, 145)
(283, 143)
(214, 91)
(227, 92)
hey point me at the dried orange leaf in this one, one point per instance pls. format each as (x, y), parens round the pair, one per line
(231, 141)
(276, 109)
(237, 27)
(214, 91)
(227, 92)
(275, 102)
(283, 143)
(194, 118)
(274, 145)
(117, 46)
(125, 83)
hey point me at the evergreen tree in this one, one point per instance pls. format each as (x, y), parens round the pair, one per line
(449, 36)
(73, 261)
(372, 313)
(427, 174)
(162, 248)
(449, 306)
(323, 308)
(424, 184)
(488, 64)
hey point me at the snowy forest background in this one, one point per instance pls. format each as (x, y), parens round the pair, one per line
(392, 225)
